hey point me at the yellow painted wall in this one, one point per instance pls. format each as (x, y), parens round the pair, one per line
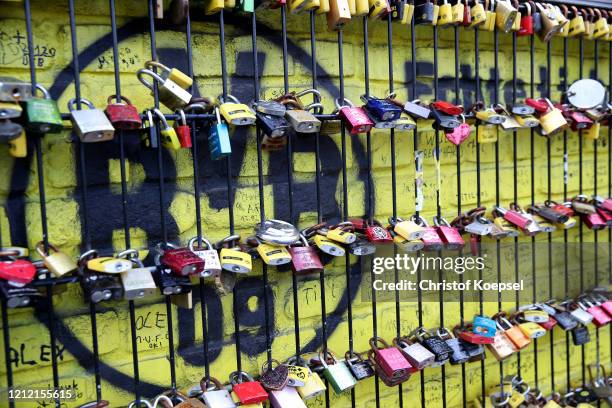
(29, 337)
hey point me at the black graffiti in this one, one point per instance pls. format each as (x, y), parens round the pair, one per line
(23, 357)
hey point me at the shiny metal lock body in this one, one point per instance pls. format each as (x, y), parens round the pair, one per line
(107, 264)
(360, 368)
(305, 259)
(313, 387)
(288, 397)
(356, 119)
(338, 15)
(138, 282)
(405, 122)
(273, 126)
(328, 246)
(170, 93)
(14, 90)
(390, 359)
(581, 315)
(418, 356)
(479, 226)
(505, 15)
(459, 355)
(218, 399)
(408, 229)
(182, 261)
(169, 283)
(212, 263)
(303, 121)
(416, 109)
(408, 245)
(338, 374)
(42, 114)
(123, 115)
(277, 232)
(381, 109)
(58, 263)
(362, 247)
(173, 74)
(91, 125)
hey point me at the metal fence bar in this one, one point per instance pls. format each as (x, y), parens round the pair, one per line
(565, 237)
(580, 189)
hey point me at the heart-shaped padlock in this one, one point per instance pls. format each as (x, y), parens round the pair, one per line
(459, 134)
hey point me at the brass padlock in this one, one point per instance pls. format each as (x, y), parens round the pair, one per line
(489, 24)
(479, 14)
(552, 121)
(505, 15)
(18, 147)
(171, 94)
(550, 24)
(458, 13)
(576, 24)
(58, 263)
(339, 14)
(408, 229)
(601, 28)
(173, 74)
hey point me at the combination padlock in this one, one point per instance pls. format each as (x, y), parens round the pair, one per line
(435, 344)
(336, 372)
(418, 356)
(360, 368)
(42, 114)
(90, 125)
(171, 94)
(122, 114)
(390, 359)
(205, 251)
(377, 234)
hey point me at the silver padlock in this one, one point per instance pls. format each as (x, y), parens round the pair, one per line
(212, 264)
(288, 397)
(216, 396)
(14, 90)
(137, 282)
(171, 95)
(91, 125)
(579, 314)
(479, 226)
(415, 353)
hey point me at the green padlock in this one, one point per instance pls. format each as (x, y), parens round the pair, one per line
(42, 114)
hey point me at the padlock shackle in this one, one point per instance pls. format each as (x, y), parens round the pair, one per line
(161, 117)
(316, 106)
(183, 119)
(42, 89)
(197, 106)
(345, 103)
(310, 91)
(156, 64)
(323, 354)
(118, 99)
(205, 384)
(140, 402)
(375, 340)
(192, 242)
(142, 72)
(84, 101)
(232, 98)
(238, 377)
(163, 400)
(439, 220)
(40, 248)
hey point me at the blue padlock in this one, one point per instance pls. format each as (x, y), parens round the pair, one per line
(484, 326)
(218, 139)
(380, 109)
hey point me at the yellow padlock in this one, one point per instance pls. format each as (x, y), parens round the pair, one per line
(436, 12)
(528, 121)
(297, 6)
(235, 260)
(313, 387)
(339, 235)
(516, 399)
(589, 25)
(362, 8)
(532, 330)
(479, 14)
(169, 138)
(405, 122)
(408, 245)
(173, 74)
(323, 7)
(562, 19)
(407, 229)
(351, 6)
(213, 6)
(328, 246)
(457, 12)
(18, 147)
(570, 223)
(229, 4)
(58, 263)
(601, 26)
(592, 132)
(378, 9)
(408, 13)
(505, 14)
(108, 264)
(517, 22)
(236, 113)
(536, 316)
(552, 121)
(576, 24)
(489, 24)
(445, 14)
(273, 254)
(487, 133)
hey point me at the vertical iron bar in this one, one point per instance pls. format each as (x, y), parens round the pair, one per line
(580, 181)
(565, 255)
(7, 350)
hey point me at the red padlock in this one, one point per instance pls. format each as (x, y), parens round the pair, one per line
(355, 118)
(20, 271)
(539, 105)
(182, 261)
(526, 22)
(565, 208)
(246, 389)
(431, 239)
(467, 14)
(359, 224)
(390, 359)
(513, 217)
(466, 334)
(449, 235)
(304, 259)
(549, 324)
(183, 131)
(123, 116)
(377, 234)
(579, 121)
(603, 203)
(606, 216)
(447, 108)
(594, 221)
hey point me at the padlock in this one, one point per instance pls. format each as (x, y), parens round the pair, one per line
(170, 93)
(528, 121)
(502, 347)
(168, 282)
(443, 119)
(564, 319)
(469, 334)
(206, 252)
(531, 329)
(377, 234)
(459, 355)
(576, 24)
(487, 115)
(232, 258)
(14, 90)
(589, 23)
(168, 137)
(328, 246)
(288, 396)
(274, 127)
(606, 216)
(313, 384)
(323, 7)
(526, 23)
(296, 6)
(592, 133)
(513, 217)
(549, 324)
(431, 239)
(183, 130)
(397, 9)
(379, 9)
(273, 254)
(360, 368)
(304, 258)
(18, 147)
(409, 229)
(148, 139)
(17, 271)
(381, 109)
(425, 13)
(340, 233)
(390, 359)
(407, 245)
(405, 122)
(298, 116)
(122, 114)
(298, 372)
(486, 133)
(362, 247)
(514, 333)
(578, 312)
(247, 390)
(236, 113)
(58, 263)
(173, 74)
(603, 203)
(274, 378)
(479, 226)
(418, 356)
(91, 125)
(436, 345)
(458, 12)
(355, 118)
(408, 14)
(550, 24)
(215, 396)
(503, 228)
(594, 221)
(336, 372)
(108, 264)
(533, 314)
(137, 281)
(450, 235)
(182, 261)
(505, 15)
(489, 24)
(459, 134)
(579, 120)
(42, 114)
(483, 326)
(388, 381)
(445, 14)
(19, 296)
(552, 121)
(97, 286)
(580, 335)
(218, 139)
(603, 302)
(600, 317)
(582, 206)
(478, 14)
(339, 14)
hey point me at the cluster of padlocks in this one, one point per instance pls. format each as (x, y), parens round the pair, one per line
(526, 18)
(299, 378)
(583, 110)
(279, 244)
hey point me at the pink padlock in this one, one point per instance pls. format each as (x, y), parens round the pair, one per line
(390, 359)
(600, 317)
(355, 118)
(594, 221)
(605, 215)
(449, 235)
(431, 239)
(602, 301)
(459, 134)
(513, 217)
(603, 203)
